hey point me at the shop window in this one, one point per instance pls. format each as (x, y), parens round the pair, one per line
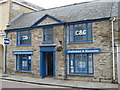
(80, 32)
(23, 63)
(24, 38)
(81, 64)
(48, 34)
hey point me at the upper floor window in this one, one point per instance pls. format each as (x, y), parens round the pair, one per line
(48, 34)
(24, 38)
(80, 32)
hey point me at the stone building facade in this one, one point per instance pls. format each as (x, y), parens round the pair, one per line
(9, 11)
(60, 46)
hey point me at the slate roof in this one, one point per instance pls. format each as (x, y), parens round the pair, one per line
(69, 13)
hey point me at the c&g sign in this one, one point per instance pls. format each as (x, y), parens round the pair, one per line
(80, 32)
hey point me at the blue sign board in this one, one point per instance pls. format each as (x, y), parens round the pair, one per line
(22, 52)
(6, 41)
(83, 51)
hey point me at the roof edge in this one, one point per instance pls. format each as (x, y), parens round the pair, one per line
(20, 4)
(64, 23)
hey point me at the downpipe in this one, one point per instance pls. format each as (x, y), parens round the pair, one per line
(5, 71)
(113, 49)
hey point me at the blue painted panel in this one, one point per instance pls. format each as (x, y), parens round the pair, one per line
(47, 48)
(83, 51)
(22, 52)
(43, 62)
(54, 64)
(6, 41)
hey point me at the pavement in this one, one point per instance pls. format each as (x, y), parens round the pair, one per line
(61, 83)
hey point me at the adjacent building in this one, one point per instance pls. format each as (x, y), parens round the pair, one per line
(9, 11)
(76, 42)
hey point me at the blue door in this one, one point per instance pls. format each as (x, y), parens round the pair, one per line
(44, 62)
(43, 65)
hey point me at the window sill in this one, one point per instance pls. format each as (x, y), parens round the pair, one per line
(24, 45)
(82, 75)
(81, 42)
(22, 71)
(47, 42)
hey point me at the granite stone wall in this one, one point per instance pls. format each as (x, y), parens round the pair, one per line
(102, 61)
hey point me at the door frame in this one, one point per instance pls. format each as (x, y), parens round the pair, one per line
(42, 63)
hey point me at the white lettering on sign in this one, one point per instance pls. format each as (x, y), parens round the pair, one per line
(80, 32)
(25, 37)
(7, 41)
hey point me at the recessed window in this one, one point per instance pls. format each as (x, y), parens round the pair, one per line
(81, 64)
(23, 62)
(80, 32)
(24, 38)
(48, 34)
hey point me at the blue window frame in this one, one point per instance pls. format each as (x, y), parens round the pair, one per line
(24, 37)
(80, 33)
(81, 64)
(48, 34)
(23, 62)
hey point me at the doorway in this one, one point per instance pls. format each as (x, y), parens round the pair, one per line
(47, 62)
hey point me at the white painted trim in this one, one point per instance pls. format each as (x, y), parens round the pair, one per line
(3, 1)
(113, 48)
(25, 5)
(20, 4)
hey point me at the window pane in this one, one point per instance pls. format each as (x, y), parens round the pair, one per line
(24, 62)
(48, 34)
(90, 60)
(81, 63)
(71, 33)
(71, 63)
(89, 31)
(79, 32)
(24, 37)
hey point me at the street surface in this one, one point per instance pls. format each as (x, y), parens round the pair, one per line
(14, 84)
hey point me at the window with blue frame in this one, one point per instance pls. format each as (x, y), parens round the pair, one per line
(24, 37)
(81, 64)
(80, 32)
(23, 63)
(48, 34)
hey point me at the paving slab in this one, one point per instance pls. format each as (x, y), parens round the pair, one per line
(58, 82)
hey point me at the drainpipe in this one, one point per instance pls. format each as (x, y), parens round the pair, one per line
(64, 50)
(6, 55)
(113, 48)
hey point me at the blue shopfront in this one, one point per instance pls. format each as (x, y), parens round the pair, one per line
(23, 60)
(47, 61)
(81, 61)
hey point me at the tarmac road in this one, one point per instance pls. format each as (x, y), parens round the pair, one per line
(14, 84)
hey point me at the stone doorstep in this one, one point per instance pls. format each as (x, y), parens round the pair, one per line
(62, 83)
